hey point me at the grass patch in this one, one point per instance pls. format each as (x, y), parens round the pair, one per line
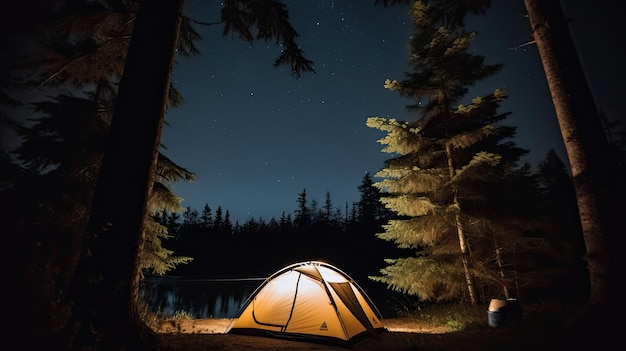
(181, 315)
(155, 321)
(463, 316)
(455, 316)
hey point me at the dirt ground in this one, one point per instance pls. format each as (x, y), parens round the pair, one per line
(542, 329)
(221, 326)
(402, 334)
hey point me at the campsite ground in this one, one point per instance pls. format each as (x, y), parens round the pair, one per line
(403, 334)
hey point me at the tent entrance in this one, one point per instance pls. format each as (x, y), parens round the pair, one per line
(347, 296)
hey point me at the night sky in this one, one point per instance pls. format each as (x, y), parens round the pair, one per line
(256, 136)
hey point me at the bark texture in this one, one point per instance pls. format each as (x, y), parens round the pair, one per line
(582, 134)
(106, 283)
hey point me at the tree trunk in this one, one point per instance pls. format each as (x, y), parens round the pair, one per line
(500, 263)
(106, 282)
(581, 131)
(469, 278)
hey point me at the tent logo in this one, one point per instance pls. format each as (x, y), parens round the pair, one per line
(323, 326)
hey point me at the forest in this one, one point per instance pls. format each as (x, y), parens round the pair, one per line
(310, 232)
(328, 233)
(546, 267)
(456, 217)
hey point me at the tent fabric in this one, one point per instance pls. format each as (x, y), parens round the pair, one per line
(347, 296)
(312, 301)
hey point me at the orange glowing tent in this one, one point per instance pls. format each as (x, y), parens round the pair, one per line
(309, 301)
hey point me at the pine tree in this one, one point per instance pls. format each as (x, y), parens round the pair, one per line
(286, 224)
(446, 165)
(227, 228)
(371, 212)
(136, 126)
(63, 149)
(206, 218)
(566, 234)
(84, 51)
(50, 204)
(173, 224)
(218, 222)
(328, 207)
(303, 215)
(316, 213)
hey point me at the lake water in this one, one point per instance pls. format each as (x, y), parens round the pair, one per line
(223, 298)
(198, 298)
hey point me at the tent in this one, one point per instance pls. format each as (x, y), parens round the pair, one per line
(309, 301)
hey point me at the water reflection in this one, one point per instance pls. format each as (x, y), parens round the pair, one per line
(198, 298)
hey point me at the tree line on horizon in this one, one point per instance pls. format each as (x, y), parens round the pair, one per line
(311, 231)
(308, 211)
(549, 264)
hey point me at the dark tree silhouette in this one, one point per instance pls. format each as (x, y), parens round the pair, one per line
(303, 214)
(129, 163)
(566, 235)
(587, 152)
(372, 213)
(127, 173)
(582, 133)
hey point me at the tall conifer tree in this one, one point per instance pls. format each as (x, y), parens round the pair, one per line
(446, 167)
(586, 145)
(83, 50)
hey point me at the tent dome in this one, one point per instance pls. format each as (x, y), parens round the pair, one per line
(312, 301)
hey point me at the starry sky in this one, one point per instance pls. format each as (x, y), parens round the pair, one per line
(257, 137)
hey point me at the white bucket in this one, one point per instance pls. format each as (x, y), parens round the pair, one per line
(496, 304)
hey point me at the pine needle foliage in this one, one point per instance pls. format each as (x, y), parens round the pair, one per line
(84, 51)
(86, 48)
(156, 258)
(448, 167)
(270, 18)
